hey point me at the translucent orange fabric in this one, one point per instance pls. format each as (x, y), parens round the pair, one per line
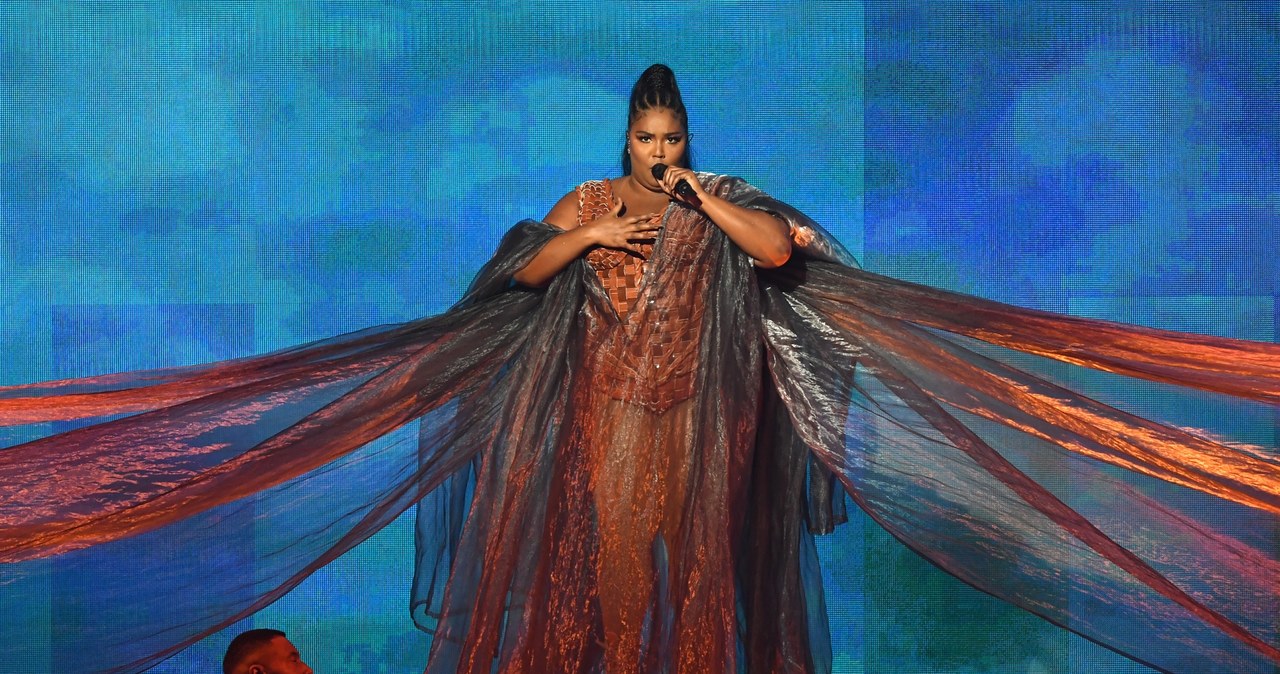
(652, 474)
(578, 512)
(645, 350)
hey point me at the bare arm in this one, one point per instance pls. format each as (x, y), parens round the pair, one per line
(608, 230)
(762, 236)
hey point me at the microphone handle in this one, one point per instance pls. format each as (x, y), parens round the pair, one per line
(686, 192)
(682, 188)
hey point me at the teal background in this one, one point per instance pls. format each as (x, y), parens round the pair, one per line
(184, 182)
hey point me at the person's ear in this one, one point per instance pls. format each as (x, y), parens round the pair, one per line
(257, 669)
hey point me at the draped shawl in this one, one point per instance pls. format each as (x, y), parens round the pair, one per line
(167, 504)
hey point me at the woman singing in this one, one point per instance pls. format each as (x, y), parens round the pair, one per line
(629, 431)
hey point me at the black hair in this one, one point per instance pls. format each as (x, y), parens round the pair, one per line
(656, 88)
(244, 646)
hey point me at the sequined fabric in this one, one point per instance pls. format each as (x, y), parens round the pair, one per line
(619, 271)
(642, 447)
(646, 351)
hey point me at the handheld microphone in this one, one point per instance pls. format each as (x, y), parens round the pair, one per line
(682, 188)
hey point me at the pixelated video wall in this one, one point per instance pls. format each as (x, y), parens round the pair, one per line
(185, 182)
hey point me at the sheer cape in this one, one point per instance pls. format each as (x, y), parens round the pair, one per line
(199, 495)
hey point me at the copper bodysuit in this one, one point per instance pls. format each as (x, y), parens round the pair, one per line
(645, 348)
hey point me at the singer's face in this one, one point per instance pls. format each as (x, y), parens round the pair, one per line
(656, 137)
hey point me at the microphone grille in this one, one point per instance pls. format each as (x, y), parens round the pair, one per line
(658, 171)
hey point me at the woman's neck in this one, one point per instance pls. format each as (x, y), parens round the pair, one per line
(641, 196)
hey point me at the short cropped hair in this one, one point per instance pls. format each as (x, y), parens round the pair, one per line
(244, 645)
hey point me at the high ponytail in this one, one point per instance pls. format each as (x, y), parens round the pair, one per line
(656, 88)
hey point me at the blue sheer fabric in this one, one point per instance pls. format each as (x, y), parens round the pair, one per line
(222, 486)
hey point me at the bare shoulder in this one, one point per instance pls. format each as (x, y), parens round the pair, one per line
(565, 213)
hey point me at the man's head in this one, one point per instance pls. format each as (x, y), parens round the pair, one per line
(263, 652)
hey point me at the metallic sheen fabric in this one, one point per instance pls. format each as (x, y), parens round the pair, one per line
(625, 472)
